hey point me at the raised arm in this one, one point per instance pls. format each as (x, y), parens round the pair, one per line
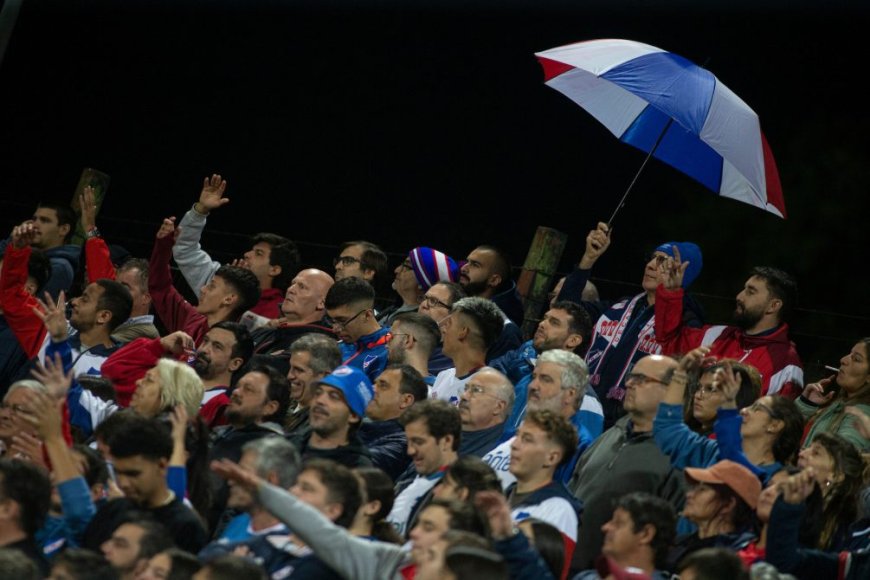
(597, 242)
(350, 556)
(175, 312)
(18, 303)
(673, 437)
(97, 257)
(195, 264)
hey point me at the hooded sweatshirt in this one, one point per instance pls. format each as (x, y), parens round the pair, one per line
(772, 353)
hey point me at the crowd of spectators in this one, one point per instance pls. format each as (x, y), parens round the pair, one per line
(287, 425)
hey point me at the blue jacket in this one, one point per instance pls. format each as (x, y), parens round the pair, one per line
(689, 449)
(369, 353)
(387, 445)
(786, 554)
(65, 531)
(631, 324)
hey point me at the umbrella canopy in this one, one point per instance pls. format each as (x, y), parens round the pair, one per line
(662, 103)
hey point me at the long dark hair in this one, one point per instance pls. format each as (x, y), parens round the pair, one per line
(786, 446)
(841, 499)
(379, 487)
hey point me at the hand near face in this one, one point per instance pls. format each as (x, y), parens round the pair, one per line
(52, 314)
(693, 359)
(232, 471)
(671, 271)
(815, 392)
(727, 381)
(798, 487)
(177, 342)
(23, 235)
(495, 508)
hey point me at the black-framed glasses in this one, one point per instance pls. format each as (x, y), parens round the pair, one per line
(406, 265)
(641, 378)
(346, 261)
(336, 323)
(432, 302)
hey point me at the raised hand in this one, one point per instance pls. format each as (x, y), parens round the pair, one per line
(212, 195)
(240, 263)
(799, 486)
(88, 205)
(862, 420)
(178, 418)
(727, 381)
(815, 392)
(232, 471)
(168, 228)
(22, 235)
(53, 316)
(178, 342)
(597, 242)
(52, 376)
(496, 509)
(694, 358)
(43, 414)
(671, 271)
(28, 447)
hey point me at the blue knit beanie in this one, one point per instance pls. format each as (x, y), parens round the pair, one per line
(690, 253)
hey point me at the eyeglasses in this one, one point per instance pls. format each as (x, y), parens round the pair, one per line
(658, 258)
(346, 261)
(406, 265)
(705, 391)
(475, 390)
(432, 302)
(642, 378)
(338, 323)
(759, 406)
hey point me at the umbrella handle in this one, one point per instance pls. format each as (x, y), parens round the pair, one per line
(642, 165)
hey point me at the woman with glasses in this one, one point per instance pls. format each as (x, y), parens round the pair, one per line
(704, 402)
(824, 403)
(763, 436)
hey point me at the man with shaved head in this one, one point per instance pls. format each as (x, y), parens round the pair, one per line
(302, 312)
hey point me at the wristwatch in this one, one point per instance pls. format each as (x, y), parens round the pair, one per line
(93, 233)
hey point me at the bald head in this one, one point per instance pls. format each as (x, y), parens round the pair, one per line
(304, 300)
(645, 386)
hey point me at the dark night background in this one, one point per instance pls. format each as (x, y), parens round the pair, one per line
(427, 123)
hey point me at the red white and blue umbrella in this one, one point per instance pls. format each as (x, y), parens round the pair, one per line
(672, 109)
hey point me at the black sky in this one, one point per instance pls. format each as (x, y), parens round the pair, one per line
(426, 123)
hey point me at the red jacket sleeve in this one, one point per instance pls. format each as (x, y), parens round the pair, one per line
(175, 312)
(128, 364)
(674, 336)
(98, 260)
(18, 305)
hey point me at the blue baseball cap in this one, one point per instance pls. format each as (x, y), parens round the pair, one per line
(354, 385)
